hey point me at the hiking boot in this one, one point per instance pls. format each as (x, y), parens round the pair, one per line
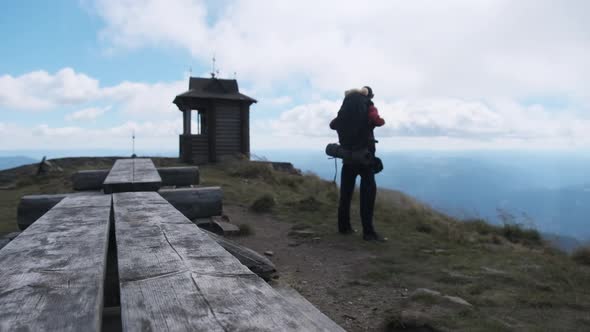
(374, 237)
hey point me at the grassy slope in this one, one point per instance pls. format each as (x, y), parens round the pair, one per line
(512, 286)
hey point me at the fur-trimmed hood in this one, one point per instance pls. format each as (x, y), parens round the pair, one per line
(364, 91)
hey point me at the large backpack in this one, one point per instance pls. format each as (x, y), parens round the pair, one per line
(352, 122)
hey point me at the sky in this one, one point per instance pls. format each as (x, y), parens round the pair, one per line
(453, 74)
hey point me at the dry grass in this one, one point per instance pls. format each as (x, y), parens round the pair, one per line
(582, 255)
(263, 204)
(513, 280)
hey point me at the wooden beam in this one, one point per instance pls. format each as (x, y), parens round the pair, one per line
(195, 202)
(132, 175)
(171, 176)
(174, 277)
(179, 176)
(52, 274)
(89, 179)
(192, 202)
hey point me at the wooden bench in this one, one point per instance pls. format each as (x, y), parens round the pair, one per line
(194, 203)
(174, 277)
(171, 176)
(52, 274)
(128, 175)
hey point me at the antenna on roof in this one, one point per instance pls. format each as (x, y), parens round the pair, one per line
(235, 75)
(213, 71)
(133, 144)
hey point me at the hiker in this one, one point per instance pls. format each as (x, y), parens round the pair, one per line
(355, 122)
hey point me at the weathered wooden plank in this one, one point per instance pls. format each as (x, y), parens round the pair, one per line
(52, 274)
(291, 295)
(254, 261)
(132, 175)
(32, 207)
(174, 277)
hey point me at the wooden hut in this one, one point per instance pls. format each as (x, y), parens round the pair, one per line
(222, 118)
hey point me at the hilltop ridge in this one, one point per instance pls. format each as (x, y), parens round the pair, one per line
(435, 274)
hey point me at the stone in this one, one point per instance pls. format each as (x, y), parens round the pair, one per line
(45, 166)
(269, 253)
(425, 291)
(493, 271)
(457, 300)
(226, 227)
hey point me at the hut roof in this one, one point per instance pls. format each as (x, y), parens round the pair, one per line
(212, 88)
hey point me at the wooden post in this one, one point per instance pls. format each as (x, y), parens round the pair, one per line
(245, 121)
(186, 114)
(212, 134)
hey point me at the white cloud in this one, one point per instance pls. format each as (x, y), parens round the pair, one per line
(87, 113)
(452, 72)
(465, 123)
(277, 101)
(456, 48)
(162, 135)
(143, 100)
(41, 90)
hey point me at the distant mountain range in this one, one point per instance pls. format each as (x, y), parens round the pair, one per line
(547, 190)
(10, 162)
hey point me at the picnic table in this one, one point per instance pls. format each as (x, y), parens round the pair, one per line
(133, 247)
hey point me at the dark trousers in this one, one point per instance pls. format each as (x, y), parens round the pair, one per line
(368, 193)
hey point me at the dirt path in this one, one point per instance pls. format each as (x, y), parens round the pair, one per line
(324, 270)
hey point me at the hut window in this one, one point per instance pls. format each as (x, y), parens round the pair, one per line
(200, 123)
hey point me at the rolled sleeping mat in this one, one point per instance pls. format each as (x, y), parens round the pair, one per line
(363, 157)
